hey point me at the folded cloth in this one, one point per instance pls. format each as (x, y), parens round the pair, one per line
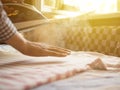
(24, 72)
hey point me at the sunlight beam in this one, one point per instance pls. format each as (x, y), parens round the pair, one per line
(99, 6)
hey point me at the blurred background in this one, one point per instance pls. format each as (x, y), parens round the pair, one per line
(79, 25)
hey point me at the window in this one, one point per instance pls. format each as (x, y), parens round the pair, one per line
(45, 5)
(99, 6)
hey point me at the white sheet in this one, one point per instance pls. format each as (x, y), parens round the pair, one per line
(103, 71)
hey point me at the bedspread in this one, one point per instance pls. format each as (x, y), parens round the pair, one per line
(89, 80)
(20, 72)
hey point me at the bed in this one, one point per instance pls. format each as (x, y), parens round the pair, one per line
(78, 71)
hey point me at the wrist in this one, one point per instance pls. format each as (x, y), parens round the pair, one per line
(18, 42)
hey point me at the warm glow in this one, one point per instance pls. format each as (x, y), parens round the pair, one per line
(99, 6)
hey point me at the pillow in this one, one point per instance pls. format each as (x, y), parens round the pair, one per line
(12, 1)
(19, 13)
(22, 12)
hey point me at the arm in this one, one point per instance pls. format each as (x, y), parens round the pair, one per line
(9, 35)
(35, 49)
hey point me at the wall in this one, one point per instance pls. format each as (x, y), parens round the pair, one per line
(79, 33)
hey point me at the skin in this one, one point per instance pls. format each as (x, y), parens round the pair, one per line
(33, 48)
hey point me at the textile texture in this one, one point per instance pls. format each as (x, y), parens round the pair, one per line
(19, 72)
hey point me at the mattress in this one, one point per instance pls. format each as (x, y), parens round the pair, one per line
(78, 71)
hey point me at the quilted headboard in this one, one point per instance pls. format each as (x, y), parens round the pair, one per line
(104, 39)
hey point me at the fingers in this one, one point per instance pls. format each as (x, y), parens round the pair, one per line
(57, 53)
(59, 50)
(54, 51)
(39, 49)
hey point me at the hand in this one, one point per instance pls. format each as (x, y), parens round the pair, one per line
(35, 49)
(40, 49)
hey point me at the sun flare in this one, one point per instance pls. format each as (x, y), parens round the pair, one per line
(99, 6)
